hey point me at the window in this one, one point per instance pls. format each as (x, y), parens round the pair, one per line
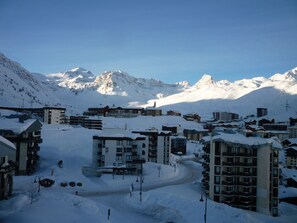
(119, 142)
(216, 189)
(217, 179)
(119, 150)
(217, 148)
(128, 157)
(217, 161)
(143, 145)
(118, 158)
(217, 170)
(106, 150)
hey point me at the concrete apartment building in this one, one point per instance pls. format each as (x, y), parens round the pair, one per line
(158, 145)
(292, 131)
(54, 115)
(242, 171)
(25, 134)
(7, 167)
(118, 148)
(225, 116)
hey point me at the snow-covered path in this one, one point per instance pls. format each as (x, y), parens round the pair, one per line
(187, 174)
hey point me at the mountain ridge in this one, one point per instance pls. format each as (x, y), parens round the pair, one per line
(77, 89)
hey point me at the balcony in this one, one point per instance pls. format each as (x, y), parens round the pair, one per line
(228, 163)
(228, 183)
(205, 173)
(228, 154)
(248, 174)
(228, 173)
(205, 165)
(228, 193)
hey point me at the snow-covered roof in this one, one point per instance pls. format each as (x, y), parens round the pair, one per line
(289, 173)
(237, 138)
(292, 140)
(14, 124)
(148, 122)
(7, 143)
(116, 134)
(292, 147)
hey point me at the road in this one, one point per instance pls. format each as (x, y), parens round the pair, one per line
(189, 175)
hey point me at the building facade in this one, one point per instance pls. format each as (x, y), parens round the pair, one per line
(7, 167)
(114, 149)
(159, 145)
(291, 157)
(26, 136)
(292, 131)
(178, 145)
(225, 116)
(54, 115)
(261, 112)
(242, 172)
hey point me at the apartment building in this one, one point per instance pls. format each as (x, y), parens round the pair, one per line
(225, 116)
(7, 165)
(118, 148)
(242, 171)
(86, 122)
(262, 112)
(54, 115)
(25, 134)
(291, 157)
(159, 145)
(292, 131)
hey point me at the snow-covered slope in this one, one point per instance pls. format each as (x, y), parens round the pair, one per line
(278, 94)
(18, 87)
(78, 89)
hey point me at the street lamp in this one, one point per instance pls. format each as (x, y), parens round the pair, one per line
(205, 208)
(141, 162)
(39, 179)
(141, 179)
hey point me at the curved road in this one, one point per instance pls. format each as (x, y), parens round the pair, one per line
(188, 176)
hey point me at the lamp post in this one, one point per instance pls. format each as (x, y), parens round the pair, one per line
(39, 179)
(205, 208)
(141, 162)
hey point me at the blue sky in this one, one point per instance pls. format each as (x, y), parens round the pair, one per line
(168, 40)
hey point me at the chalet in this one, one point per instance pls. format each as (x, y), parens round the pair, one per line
(192, 117)
(173, 113)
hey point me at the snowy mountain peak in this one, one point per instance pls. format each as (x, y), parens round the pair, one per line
(78, 71)
(290, 75)
(205, 80)
(184, 84)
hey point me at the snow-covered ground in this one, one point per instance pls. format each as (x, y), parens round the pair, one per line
(174, 203)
